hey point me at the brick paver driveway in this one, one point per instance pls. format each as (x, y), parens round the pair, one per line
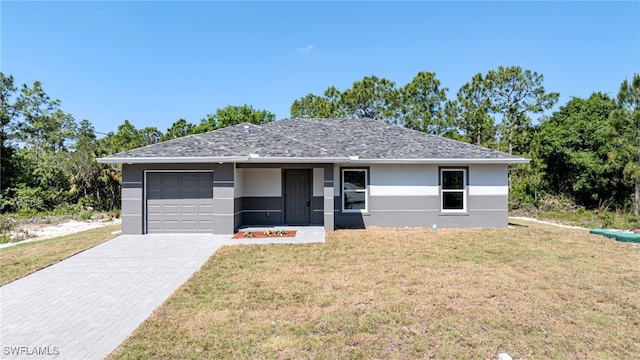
(85, 306)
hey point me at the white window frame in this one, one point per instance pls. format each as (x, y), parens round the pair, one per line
(463, 190)
(364, 191)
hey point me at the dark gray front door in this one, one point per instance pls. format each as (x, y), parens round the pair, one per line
(297, 196)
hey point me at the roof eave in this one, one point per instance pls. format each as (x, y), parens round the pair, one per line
(296, 160)
(443, 161)
(308, 160)
(170, 160)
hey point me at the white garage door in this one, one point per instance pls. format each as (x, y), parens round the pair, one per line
(179, 202)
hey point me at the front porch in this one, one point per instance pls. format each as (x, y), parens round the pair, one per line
(283, 194)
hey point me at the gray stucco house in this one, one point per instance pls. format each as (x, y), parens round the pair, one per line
(330, 172)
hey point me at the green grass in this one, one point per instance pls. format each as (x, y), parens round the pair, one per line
(534, 291)
(23, 259)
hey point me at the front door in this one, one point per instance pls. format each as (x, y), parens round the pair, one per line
(297, 197)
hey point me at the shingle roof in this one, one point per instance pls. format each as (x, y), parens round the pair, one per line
(363, 139)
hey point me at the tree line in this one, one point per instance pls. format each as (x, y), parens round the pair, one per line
(48, 159)
(588, 151)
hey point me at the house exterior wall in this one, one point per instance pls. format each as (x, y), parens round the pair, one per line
(398, 195)
(133, 194)
(259, 196)
(409, 196)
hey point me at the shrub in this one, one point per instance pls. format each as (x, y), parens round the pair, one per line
(7, 224)
(66, 209)
(114, 214)
(607, 219)
(86, 215)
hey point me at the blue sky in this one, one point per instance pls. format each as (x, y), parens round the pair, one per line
(155, 62)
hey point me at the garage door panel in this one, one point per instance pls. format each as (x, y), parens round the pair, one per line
(154, 225)
(188, 225)
(180, 202)
(169, 209)
(170, 194)
(170, 224)
(206, 225)
(171, 177)
(188, 209)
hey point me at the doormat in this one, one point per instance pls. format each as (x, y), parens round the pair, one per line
(264, 234)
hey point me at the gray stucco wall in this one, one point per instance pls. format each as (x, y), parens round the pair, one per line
(133, 218)
(264, 205)
(399, 196)
(409, 196)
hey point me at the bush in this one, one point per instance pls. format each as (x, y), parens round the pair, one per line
(25, 200)
(66, 209)
(7, 224)
(114, 214)
(4, 239)
(607, 219)
(86, 215)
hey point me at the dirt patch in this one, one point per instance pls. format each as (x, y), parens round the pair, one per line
(546, 222)
(35, 230)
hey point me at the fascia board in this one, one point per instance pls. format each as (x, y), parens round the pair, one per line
(308, 160)
(170, 160)
(263, 160)
(442, 161)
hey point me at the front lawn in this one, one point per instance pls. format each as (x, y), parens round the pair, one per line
(22, 259)
(533, 291)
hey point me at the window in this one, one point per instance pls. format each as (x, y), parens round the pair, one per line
(354, 190)
(453, 190)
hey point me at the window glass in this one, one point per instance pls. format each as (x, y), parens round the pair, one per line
(453, 179)
(354, 200)
(354, 180)
(354, 190)
(453, 190)
(453, 200)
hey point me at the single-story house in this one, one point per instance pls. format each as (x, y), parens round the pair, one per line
(330, 172)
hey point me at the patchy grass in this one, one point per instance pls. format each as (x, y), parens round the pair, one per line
(23, 259)
(586, 218)
(534, 291)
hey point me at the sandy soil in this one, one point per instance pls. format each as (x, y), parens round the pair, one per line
(37, 233)
(547, 222)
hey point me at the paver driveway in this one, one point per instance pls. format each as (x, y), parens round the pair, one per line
(85, 306)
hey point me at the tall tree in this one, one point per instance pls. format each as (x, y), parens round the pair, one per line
(310, 106)
(9, 107)
(9, 112)
(82, 164)
(178, 129)
(471, 111)
(150, 135)
(126, 138)
(515, 94)
(625, 129)
(423, 104)
(572, 149)
(91, 183)
(373, 98)
(313, 106)
(233, 115)
(45, 126)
